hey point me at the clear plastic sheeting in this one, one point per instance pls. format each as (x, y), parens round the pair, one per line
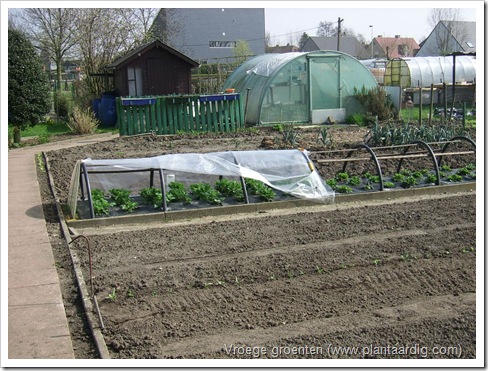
(424, 71)
(288, 171)
(295, 87)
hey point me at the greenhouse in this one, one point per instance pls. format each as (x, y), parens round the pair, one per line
(289, 172)
(424, 71)
(301, 87)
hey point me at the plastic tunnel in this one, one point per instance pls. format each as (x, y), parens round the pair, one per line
(424, 71)
(289, 171)
(300, 87)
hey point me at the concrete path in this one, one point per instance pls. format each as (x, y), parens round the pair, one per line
(37, 324)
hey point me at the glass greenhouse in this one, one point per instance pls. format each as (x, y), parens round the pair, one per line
(300, 87)
(424, 71)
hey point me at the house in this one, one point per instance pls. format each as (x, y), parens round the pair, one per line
(208, 34)
(347, 44)
(282, 49)
(448, 37)
(152, 69)
(394, 47)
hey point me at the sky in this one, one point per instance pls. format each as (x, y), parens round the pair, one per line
(408, 19)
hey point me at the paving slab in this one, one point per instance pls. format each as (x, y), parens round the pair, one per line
(37, 323)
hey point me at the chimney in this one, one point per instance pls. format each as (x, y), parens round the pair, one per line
(380, 35)
(397, 36)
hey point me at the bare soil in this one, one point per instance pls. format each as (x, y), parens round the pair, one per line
(377, 275)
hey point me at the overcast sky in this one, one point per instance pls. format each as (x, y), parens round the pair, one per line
(409, 19)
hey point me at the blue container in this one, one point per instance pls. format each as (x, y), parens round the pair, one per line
(95, 105)
(107, 112)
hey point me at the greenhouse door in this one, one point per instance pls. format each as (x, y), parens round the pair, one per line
(325, 89)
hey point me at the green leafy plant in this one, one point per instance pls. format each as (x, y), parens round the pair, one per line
(375, 179)
(389, 185)
(121, 198)
(398, 177)
(332, 183)
(455, 178)
(430, 178)
(446, 167)
(230, 188)
(101, 205)
(377, 262)
(463, 171)
(152, 196)
(319, 270)
(177, 193)
(343, 189)
(342, 177)
(367, 175)
(278, 127)
(356, 119)
(290, 136)
(355, 181)
(408, 182)
(260, 189)
(324, 137)
(112, 295)
(205, 192)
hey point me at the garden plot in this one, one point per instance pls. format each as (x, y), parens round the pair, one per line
(390, 272)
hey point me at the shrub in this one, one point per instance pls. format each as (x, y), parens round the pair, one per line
(82, 121)
(356, 119)
(376, 102)
(62, 105)
(28, 86)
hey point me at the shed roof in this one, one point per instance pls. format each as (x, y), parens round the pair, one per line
(145, 48)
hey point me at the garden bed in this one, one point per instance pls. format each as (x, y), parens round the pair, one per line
(368, 272)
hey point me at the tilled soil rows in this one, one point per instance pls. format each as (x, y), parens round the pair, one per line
(377, 279)
(380, 274)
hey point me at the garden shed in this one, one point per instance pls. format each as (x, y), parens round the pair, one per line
(152, 69)
(300, 87)
(424, 71)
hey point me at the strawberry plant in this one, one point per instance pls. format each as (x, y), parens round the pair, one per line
(230, 188)
(344, 189)
(332, 183)
(397, 177)
(342, 177)
(121, 198)
(455, 178)
(389, 185)
(260, 189)
(355, 181)
(408, 182)
(178, 193)
(101, 205)
(205, 192)
(430, 178)
(152, 196)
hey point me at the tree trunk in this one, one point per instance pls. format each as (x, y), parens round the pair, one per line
(16, 135)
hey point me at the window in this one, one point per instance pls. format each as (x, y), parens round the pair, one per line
(222, 44)
(134, 79)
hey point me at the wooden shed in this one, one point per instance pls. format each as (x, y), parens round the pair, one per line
(152, 69)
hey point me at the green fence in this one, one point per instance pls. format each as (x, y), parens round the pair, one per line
(174, 114)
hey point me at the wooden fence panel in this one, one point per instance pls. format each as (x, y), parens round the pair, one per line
(173, 114)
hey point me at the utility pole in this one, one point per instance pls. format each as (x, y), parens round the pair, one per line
(339, 21)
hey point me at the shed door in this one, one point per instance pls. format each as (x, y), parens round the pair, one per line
(162, 77)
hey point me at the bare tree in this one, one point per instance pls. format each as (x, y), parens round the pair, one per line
(51, 30)
(326, 29)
